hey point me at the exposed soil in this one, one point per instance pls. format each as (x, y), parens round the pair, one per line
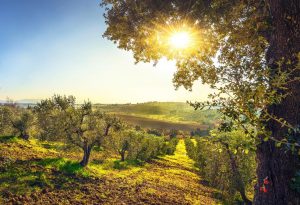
(168, 180)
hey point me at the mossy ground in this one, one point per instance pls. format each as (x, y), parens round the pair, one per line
(36, 173)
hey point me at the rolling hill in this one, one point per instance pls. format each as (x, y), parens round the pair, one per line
(163, 115)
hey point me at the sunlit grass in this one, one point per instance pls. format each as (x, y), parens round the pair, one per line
(169, 176)
(64, 165)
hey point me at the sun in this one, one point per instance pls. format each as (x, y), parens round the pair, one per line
(180, 40)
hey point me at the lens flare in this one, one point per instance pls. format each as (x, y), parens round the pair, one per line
(180, 40)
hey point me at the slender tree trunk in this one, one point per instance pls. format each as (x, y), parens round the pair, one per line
(86, 155)
(24, 136)
(239, 184)
(107, 129)
(277, 164)
(122, 156)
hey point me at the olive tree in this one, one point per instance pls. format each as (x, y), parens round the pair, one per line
(5, 123)
(61, 119)
(16, 120)
(121, 142)
(247, 51)
(139, 145)
(22, 121)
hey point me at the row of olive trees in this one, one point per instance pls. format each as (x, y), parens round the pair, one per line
(138, 145)
(60, 119)
(226, 160)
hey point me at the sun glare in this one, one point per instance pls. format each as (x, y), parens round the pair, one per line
(180, 40)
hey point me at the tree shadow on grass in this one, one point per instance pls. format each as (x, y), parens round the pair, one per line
(19, 177)
(122, 165)
(170, 165)
(63, 165)
(57, 147)
(8, 139)
(24, 176)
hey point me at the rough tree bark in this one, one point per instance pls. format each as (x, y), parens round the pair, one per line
(276, 163)
(86, 155)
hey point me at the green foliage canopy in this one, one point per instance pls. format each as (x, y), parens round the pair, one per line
(62, 120)
(230, 54)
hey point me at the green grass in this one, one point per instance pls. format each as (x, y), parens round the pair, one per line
(38, 174)
(28, 179)
(31, 172)
(53, 146)
(120, 165)
(8, 139)
(63, 165)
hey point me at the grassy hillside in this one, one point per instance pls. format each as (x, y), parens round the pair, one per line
(160, 124)
(35, 173)
(165, 111)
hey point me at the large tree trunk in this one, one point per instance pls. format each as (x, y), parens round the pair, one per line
(277, 164)
(86, 155)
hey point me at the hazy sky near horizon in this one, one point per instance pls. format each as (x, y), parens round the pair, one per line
(56, 47)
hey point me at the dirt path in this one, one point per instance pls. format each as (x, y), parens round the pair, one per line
(169, 180)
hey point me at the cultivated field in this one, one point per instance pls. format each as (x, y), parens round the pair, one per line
(145, 122)
(33, 174)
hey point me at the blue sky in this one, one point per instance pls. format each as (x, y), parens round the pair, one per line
(56, 47)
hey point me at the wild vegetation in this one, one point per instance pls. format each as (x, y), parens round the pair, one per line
(15, 120)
